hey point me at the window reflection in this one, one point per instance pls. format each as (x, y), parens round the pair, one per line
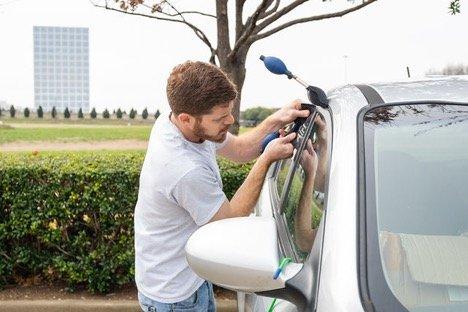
(419, 157)
(303, 205)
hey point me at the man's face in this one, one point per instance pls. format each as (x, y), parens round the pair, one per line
(214, 126)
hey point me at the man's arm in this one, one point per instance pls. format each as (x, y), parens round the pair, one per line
(246, 147)
(304, 234)
(244, 200)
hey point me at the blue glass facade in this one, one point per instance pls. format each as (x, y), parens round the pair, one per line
(61, 68)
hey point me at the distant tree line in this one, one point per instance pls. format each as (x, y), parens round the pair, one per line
(255, 115)
(119, 114)
(451, 69)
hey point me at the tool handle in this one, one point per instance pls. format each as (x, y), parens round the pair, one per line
(270, 137)
(295, 127)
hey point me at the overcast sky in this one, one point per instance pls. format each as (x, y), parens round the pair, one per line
(131, 57)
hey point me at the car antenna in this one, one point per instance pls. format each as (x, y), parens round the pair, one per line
(316, 95)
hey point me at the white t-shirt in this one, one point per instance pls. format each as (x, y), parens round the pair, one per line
(180, 190)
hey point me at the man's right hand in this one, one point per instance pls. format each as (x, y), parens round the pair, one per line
(280, 148)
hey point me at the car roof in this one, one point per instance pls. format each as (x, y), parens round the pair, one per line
(450, 88)
(447, 88)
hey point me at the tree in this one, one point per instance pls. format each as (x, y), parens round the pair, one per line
(132, 114)
(80, 113)
(66, 113)
(267, 19)
(12, 111)
(451, 69)
(157, 114)
(53, 113)
(119, 114)
(258, 114)
(93, 113)
(40, 112)
(144, 113)
(26, 113)
(454, 7)
(105, 114)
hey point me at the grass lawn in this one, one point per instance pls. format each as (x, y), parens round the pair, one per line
(244, 129)
(74, 134)
(14, 130)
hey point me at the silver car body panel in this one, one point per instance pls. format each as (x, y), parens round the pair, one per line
(452, 89)
(338, 287)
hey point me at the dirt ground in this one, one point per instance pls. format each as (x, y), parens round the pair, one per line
(23, 146)
(59, 292)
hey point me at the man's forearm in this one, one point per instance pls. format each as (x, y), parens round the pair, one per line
(322, 169)
(250, 143)
(246, 197)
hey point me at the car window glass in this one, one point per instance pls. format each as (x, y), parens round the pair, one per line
(282, 174)
(417, 166)
(285, 165)
(303, 204)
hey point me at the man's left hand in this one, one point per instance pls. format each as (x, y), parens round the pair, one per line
(288, 114)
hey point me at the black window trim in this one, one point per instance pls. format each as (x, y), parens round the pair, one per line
(285, 237)
(362, 217)
(285, 242)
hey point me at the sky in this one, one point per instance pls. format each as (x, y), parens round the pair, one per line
(131, 57)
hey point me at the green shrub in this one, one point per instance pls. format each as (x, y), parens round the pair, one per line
(132, 114)
(66, 113)
(80, 113)
(105, 114)
(144, 113)
(93, 113)
(26, 112)
(69, 216)
(12, 111)
(119, 114)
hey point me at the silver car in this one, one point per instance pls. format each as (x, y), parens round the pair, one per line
(383, 225)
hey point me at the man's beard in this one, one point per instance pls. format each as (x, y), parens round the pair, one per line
(200, 132)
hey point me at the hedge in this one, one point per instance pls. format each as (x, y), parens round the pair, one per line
(69, 216)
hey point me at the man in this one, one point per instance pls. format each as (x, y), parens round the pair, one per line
(180, 184)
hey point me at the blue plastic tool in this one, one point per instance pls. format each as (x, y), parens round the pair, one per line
(276, 66)
(316, 95)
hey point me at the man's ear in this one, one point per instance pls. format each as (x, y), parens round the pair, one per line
(185, 118)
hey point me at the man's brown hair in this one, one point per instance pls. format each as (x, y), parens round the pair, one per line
(196, 87)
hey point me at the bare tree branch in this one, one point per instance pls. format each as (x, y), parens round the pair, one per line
(239, 21)
(310, 19)
(181, 12)
(270, 11)
(192, 12)
(250, 25)
(199, 33)
(285, 10)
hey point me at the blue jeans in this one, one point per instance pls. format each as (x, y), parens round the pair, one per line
(201, 301)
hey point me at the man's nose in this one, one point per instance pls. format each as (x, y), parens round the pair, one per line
(230, 120)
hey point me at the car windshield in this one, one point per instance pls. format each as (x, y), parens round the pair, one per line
(416, 162)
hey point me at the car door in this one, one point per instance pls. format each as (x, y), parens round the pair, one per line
(295, 197)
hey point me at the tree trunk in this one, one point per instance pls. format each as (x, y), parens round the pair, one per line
(235, 69)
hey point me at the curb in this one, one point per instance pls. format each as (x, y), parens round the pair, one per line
(71, 305)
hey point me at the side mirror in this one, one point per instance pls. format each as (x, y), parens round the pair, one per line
(240, 254)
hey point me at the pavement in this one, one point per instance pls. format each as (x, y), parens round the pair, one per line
(75, 305)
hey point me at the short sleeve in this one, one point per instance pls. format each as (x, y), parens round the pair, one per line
(200, 194)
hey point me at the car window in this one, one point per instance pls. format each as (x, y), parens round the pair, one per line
(416, 161)
(283, 169)
(304, 202)
(285, 166)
